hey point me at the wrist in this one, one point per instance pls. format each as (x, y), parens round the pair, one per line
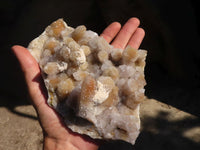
(54, 144)
(69, 142)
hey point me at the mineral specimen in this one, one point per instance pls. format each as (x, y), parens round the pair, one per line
(94, 86)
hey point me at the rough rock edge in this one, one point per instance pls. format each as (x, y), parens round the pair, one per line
(35, 47)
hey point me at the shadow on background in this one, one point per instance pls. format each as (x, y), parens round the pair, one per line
(172, 37)
(11, 102)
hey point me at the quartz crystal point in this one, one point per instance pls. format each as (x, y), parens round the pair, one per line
(95, 87)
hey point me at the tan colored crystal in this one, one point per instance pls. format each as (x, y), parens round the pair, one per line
(64, 87)
(129, 54)
(51, 68)
(116, 54)
(67, 40)
(112, 98)
(80, 75)
(132, 101)
(87, 91)
(102, 56)
(56, 28)
(86, 50)
(112, 72)
(51, 45)
(65, 53)
(84, 66)
(53, 82)
(78, 32)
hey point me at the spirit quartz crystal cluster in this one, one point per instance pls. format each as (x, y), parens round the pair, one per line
(95, 87)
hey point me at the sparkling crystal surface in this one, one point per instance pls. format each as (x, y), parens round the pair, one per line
(94, 86)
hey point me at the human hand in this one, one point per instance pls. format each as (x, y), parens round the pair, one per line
(56, 134)
(130, 34)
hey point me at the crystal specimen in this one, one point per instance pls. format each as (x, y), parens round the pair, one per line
(94, 86)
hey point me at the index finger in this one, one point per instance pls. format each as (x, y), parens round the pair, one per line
(111, 31)
(126, 33)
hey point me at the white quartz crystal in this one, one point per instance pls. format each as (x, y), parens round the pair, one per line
(94, 86)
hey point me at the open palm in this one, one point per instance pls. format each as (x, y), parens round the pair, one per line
(56, 135)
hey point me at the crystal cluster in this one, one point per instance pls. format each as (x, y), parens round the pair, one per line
(94, 86)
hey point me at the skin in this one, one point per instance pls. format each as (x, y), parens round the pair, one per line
(56, 135)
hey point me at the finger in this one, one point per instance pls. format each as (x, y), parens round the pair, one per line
(137, 38)
(126, 32)
(111, 31)
(32, 74)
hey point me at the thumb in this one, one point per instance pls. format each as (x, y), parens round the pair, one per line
(32, 74)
